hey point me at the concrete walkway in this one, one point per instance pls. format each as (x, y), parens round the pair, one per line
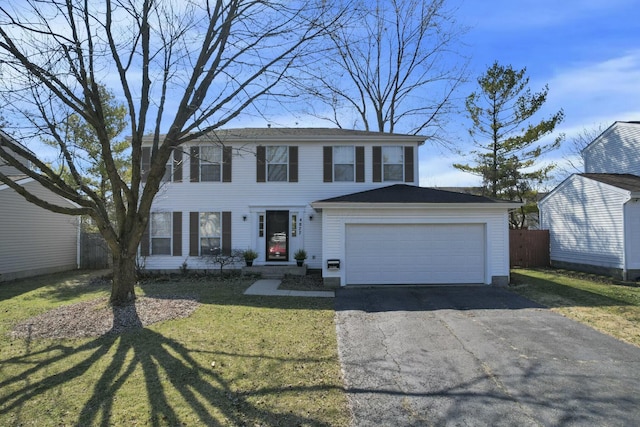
(269, 287)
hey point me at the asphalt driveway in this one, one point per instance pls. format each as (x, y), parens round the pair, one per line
(478, 355)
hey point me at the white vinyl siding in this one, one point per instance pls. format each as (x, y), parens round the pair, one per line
(617, 150)
(586, 222)
(34, 240)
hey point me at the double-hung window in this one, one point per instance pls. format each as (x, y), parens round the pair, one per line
(161, 233)
(392, 164)
(343, 163)
(277, 161)
(210, 233)
(210, 163)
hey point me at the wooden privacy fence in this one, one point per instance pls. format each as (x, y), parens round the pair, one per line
(94, 252)
(529, 248)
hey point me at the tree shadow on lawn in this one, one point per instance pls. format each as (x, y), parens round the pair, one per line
(165, 365)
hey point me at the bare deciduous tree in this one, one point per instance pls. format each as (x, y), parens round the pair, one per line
(396, 65)
(574, 162)
(182, 68)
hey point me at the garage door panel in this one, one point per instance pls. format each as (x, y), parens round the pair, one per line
(415, 254)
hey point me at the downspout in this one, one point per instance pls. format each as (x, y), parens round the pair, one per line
(79, 228)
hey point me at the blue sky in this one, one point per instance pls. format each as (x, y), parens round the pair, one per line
(587, 51)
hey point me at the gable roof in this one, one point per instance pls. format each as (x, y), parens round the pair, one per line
(625, 181)
(411, 194)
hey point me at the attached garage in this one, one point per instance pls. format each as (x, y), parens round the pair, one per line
(403, 234)
(414, 254)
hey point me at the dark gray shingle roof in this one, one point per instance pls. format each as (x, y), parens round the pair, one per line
(626, 181)
(402, 193)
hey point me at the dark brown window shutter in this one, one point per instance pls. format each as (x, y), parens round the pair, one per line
(145, 164)
(408, 164)
(227, 154)
(194, 234)
(293, 164)
(195, 164)
(177, 234)
(226, 233)
(359, 164)
(377, 164)
(261, 167)
(145, 240)
(327, 164)
(177, 165)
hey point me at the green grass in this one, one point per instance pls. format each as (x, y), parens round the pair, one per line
(237, 360)
(601, 303)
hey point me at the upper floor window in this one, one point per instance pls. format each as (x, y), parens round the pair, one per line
(160, 233)
(277, 163)
(392, 164)
(173, 167)
(277, 160)
(210, 163)
(344, 162)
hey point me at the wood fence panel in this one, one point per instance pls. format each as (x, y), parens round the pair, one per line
(94, 252)
(529, 248)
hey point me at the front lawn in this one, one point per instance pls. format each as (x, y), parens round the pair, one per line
(609, 307)
(237, 360)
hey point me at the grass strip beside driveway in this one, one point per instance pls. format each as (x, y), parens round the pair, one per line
(237, 360)
(601, 303)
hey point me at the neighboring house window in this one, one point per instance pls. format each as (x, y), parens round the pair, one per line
(210, 164)
(161, 233)
(210, 233)
(393, 163)
(343, 164)
(278, 163)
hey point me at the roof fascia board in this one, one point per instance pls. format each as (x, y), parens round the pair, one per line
(440, 206)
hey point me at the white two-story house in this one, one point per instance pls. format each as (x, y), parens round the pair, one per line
(350, 199)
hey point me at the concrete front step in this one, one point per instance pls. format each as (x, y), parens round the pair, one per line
(275, 271)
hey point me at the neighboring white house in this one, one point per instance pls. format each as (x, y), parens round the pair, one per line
(349, 198)
(34, 240)
(593, 218)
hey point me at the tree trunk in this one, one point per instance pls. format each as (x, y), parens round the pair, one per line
(124, 279)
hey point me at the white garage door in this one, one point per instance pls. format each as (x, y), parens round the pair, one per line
(415, 254)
